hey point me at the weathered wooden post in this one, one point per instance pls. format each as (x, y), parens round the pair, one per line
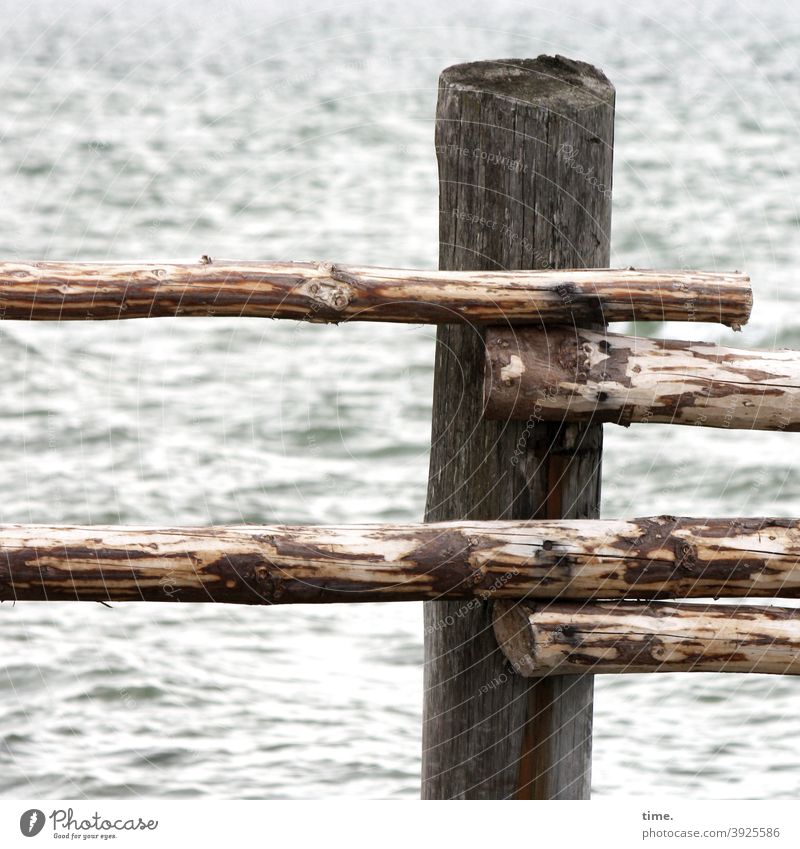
(525, 151)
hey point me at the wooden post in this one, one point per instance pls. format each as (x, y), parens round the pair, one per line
(525, 151)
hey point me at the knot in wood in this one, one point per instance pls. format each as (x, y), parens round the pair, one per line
(335, 291)
(685, 557)
(268, 583)
(479, 577)
(574, 360)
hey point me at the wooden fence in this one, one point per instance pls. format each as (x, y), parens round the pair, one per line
(524, 584)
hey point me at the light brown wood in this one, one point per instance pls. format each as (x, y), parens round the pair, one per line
(327, 292)
(576, 375)
(469, 561)
(625, 637)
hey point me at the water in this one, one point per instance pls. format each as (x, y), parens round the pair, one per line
(299, 131)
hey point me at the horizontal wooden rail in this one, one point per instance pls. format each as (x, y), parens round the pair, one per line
(575, 559)
(323, 292)
(569, 639)
(575, 375)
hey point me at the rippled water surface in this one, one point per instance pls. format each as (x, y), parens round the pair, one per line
(301, 131)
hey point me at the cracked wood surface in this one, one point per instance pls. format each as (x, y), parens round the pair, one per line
(561, 639)
(518, 739)
(576, 375)
(469, 561)
(327, 292)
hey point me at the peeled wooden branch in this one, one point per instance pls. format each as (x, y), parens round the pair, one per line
(323, 292)
(569, 639)
(575, 375)
(577, 559)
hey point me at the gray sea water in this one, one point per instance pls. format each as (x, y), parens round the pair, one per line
(278, 130)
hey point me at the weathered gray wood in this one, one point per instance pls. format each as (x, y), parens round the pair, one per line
(559, 639)
(523, 148)
(472, 561)
(577, 375)
(324, 292)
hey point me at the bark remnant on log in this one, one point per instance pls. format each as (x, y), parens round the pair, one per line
(324, 292)
(565, 639)
(577, 375)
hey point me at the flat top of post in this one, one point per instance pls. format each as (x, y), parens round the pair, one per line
(545, 80)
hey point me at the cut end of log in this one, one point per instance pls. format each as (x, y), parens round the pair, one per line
(545, 80)
(747, 304)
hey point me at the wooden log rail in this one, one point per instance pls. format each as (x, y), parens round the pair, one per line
(577, 375)
(566, 639)
(559, 559)
(324, 292)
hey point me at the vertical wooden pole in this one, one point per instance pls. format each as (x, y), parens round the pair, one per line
(525, 151)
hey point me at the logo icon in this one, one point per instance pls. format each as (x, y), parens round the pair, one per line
(31, 822)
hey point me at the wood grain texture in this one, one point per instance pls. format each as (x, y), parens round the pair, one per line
(327, 292)
(470, 561)
(488, 733)
(577, 375)
(626, 637)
